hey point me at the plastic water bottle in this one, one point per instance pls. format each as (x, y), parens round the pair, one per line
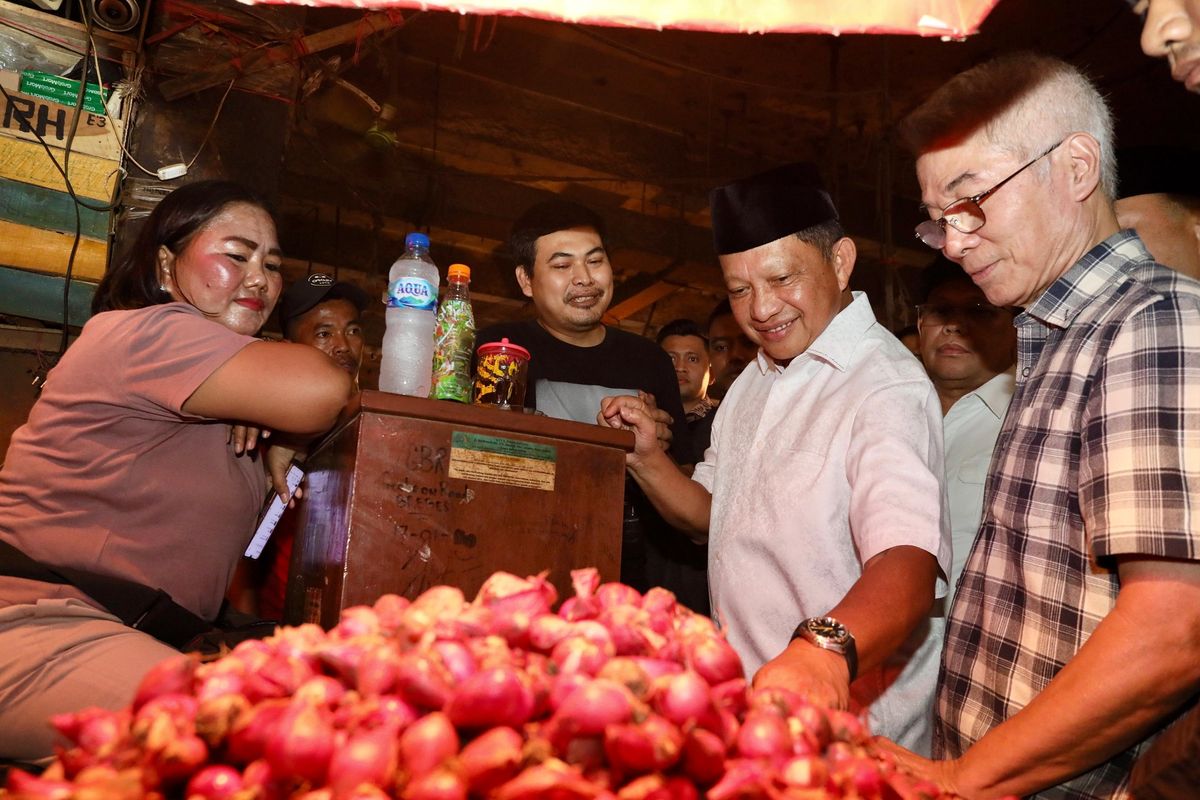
(454, 341)
(407, 363)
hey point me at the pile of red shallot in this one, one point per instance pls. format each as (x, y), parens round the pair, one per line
(619, 695)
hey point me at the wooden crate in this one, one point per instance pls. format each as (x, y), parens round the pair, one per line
(412, 493)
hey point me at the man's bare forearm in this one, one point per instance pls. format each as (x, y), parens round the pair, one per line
(1117, 689)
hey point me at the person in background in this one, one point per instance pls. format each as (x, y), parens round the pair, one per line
(1160, 199)
(821, 494)
(682, 340)
(910, 338)
(1171, 30)
(124, 470)
(325, 313)
(562, 265)
(1073, 637)
(729, 349)
(968, 347)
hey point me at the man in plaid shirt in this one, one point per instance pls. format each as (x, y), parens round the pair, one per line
(1075, 634)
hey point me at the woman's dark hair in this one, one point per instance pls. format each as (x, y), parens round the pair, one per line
(134, 282)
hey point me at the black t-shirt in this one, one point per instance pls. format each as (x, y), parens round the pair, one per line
(567, 382)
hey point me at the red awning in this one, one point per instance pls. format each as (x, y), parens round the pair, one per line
(952, 18)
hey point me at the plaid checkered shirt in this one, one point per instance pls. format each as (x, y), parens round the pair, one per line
(1099, 456)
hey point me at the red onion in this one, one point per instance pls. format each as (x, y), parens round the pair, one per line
(389, 610)
(100, 731)
(547, 630)
(457, 658)
(714, 659)
(811, 732)
(377, 671)
(280, 676)
(492, 697)
(618, 594)
(321, 690)
(574, 654)
(491, 759)
(388, 711)
(647, 787)
(846, 727)
(356, 621)
(215, 782)
(593, 706)
(173, 676)
(804, 772)
(680, 789)
(438, 602)
(683, 698)
(596, 633)
(574, 609)
(441, 784)
(660, 607)
(220, 684)
(764, 734)
(743, 778)
(585, 581)
(629, 673)
(248, 738)
(301, 743)
(777, 699)
(564, 685)
(22, 784)
(216, 716)
(731, 696)
(369, 756)
(423, 681)
(628, 630)
(427, 743)
(490, 651)
(703, 756)
(508, 595)
(658, 667)
(180, 759)
(865, 777)
(653, 745)
(550, 780)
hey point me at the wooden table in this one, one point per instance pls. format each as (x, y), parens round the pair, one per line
(410, 493)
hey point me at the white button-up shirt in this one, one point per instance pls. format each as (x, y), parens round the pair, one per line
(971, 427)
(813, 469)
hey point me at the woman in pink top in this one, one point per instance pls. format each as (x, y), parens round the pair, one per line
(125, 469)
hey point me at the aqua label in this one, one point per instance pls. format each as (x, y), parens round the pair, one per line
(410, 292)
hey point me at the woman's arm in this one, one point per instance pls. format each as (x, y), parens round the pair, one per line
(278, 385)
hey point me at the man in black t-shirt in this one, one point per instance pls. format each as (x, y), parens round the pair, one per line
(562, 266)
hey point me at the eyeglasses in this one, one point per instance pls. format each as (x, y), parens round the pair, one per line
(934, 314)
(965, 214)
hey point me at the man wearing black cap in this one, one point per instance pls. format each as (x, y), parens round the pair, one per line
(1160, 199)
(821, 492)
(326, 314)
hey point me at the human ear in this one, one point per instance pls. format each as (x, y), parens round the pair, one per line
(524, 280)
(844, 256)
(1085, 165)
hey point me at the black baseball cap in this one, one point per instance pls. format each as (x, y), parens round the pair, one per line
(304, 295)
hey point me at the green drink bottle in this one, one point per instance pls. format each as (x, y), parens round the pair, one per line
(454, 339)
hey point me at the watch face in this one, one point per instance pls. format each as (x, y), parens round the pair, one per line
(828, 629)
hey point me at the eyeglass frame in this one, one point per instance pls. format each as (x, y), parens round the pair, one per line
(963, 310)
(941, 222)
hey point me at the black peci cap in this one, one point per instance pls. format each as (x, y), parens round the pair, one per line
(304, 295)
(770, 205)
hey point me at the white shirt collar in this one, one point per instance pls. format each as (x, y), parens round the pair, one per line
(838, 343)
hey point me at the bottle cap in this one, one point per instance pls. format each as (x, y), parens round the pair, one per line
(458, 271)
(504, 346)
(417, 239)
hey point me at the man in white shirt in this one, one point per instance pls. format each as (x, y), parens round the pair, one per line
(821, 492)
(968, 347)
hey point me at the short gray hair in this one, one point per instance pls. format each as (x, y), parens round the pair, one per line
(1023, 103)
